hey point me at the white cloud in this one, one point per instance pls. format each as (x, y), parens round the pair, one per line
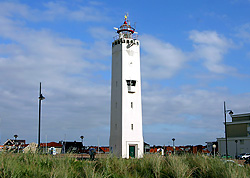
(67, 71)
(100, 49)
(211, 47)
(101, 33)
(10, 9)
(191, 114)
(244, 32)
(209, 38)
(161, 60)
(60, 10)
(53, 11)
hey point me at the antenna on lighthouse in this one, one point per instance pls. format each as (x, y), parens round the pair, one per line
(135, 25)
(126, 18)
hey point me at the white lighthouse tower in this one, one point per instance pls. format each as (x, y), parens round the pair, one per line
(126, 138)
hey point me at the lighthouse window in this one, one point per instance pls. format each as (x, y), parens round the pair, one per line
(131, 82)
(132, 126)
(127, 41)
(132, 105)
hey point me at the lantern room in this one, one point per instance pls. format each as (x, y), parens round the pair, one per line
(125, 30)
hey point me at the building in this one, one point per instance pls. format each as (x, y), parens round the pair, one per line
(11, 142)
(238, 136)
(126, 138)
(51, 147)
(72, 147)
(13, 145)
(100, 149)
(30, 148)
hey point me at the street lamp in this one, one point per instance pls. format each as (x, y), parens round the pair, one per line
(82, 137)
(15, 136)
(41, 97)
(225, 114)
(236, 141)
(173, 144)
(214, 147)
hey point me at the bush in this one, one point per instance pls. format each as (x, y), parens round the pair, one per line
(38, 165)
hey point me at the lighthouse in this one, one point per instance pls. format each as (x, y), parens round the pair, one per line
(126, 137)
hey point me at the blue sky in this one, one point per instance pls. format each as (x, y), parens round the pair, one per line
(194, 56)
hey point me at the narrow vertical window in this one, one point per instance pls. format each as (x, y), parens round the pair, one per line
(132, 105)
(132, 126)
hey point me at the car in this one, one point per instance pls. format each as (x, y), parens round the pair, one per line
(244, 155)
(240, 156)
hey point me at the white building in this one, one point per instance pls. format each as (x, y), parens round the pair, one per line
(126, 138)
(238, 136)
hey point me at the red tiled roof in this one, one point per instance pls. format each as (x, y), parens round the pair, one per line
(105, 149)
(153, 150)
(51, 144)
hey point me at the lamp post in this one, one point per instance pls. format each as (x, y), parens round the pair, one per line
(173, 144)
(214, 147)
(225, 114)
(41, 97)
(83, 148)
(15, 142)
(82, 137)
(236, 141)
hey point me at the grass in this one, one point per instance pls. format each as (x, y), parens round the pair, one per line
(35, 165)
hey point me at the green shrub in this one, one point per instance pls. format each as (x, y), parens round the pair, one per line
(19, 165)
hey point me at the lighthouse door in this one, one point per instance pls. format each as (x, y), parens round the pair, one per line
(131, 151)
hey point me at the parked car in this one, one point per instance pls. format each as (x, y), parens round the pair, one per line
(240, 156)
(244, 156)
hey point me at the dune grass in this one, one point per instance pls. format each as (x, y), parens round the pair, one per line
(35, 165)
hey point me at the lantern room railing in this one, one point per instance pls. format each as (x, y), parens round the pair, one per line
(133, 36)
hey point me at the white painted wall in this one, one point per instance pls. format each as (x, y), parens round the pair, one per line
(126, 66)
